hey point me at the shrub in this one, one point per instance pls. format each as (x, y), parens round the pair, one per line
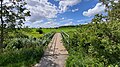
(23, 52)
(23, 57)
(20, 35)
(40, 31)
(94, 45)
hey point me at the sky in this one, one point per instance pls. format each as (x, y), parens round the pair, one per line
(55, 13)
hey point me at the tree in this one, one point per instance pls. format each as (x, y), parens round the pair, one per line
(113, 9)
(98, 18)
(1, 40)
(12, 14)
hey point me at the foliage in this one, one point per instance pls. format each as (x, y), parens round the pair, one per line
(97, 44)
(22, 57)
(18, 34)
(40, 31)
(12, 15)
(94, 45)
(24, 51)
(65, 29)
(113, 7)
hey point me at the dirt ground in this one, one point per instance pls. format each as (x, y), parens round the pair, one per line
(55, 55)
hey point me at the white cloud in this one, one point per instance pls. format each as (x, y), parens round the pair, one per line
(116, 1)
(70, 23)
(80, 20)
(99, 8)
(6, 1)
(84, 21)
(42, 23)
(74, 10)
(63, 18)
(51, 24)
(41, 9)
(64, 4)
(35, 24)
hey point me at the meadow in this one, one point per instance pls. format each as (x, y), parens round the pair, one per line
(96, 44)
(25, 47)
(33, 32)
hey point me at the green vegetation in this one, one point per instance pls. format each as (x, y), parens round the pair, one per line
(25, 46)
(40, 31)
(66, 29)
(9, 18)
(32, 31)
(96, 44)
(23, 51)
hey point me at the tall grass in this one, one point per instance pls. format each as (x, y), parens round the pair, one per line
(24, 52)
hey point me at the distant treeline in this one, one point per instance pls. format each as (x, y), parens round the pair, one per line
(69, 26)
(61, 27)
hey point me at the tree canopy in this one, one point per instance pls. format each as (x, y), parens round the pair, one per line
(12, 15)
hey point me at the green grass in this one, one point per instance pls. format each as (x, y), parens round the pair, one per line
(33, 33)
(45, 30)
(48, 30)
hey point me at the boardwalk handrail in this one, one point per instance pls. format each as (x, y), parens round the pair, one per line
(65, 37)
(46, 38)
(65, 33)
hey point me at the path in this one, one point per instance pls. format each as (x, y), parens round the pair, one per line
(55, 55)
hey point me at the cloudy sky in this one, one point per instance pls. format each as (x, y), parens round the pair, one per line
(54, 13)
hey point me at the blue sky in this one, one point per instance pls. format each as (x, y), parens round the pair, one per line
(54, 13)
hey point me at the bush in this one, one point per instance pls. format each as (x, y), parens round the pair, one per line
(40, 31)
(18, 43)
(94, 45)
(23, 57)
(23, 52)
(20, 35)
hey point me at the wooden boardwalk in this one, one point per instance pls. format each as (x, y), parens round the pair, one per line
(55, 55)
